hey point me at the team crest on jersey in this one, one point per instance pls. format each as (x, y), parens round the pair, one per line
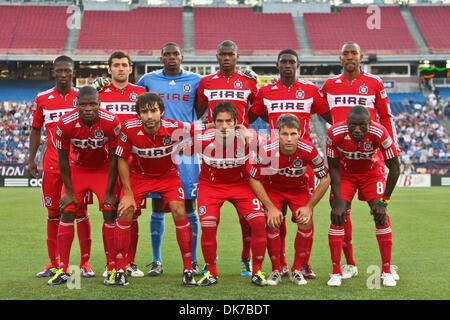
(368, 146)
(202, 210)
(74, 102)
(363, 89)
(237, 84)
(48, 201)
(58, 132)
(299, 94)
(186, 87)
(239, 153)
(133, 96)
(99, 134)
(297, 163)
(167, 140)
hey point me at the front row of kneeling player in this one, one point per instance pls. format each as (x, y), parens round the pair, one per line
(142, 151)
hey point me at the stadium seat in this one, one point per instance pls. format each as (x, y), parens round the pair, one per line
(329, 31)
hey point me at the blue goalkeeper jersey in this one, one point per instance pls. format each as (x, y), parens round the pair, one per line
(177, 92)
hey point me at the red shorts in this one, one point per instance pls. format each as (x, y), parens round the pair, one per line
(169, 187)
(294, 198)
(51, 189)
(212, 196)
(369, 185)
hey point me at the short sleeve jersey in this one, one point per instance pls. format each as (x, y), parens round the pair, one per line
(302, 99)
(154, 155)
(89, 146)
(50, 107)
(288, 172)
(366, 90)
(121, 102)
(223, 164)
(237, 88)
(358, 157)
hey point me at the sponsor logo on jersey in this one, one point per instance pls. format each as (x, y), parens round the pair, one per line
(239, 95)
(51, 116)
(275, 106)
(358, 155)
(350, 100)
(174, 96)
(289, 172)
(89, 143)
(157, 152)
(120, 107)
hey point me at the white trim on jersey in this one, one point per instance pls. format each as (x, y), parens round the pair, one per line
(376, 131)
(71, 118)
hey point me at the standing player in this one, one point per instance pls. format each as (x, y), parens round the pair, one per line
(119, 97)
(154, 141)
(50, 106)
(350, 88)
(283, 164)
(302, 99)
(352, 149)
(178, 90)
(86, 139)
(224, 177)
(230, 84)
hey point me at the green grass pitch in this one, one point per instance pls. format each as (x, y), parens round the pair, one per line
(420, 223)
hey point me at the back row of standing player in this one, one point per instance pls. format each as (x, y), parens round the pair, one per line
(186, 97)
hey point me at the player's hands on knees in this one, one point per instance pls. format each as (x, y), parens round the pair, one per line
(303, 215)
(111, 200)
(100, 82)
(245, 135)
(274, 219)
(66, 200)
(338, 212)
(379, 214)
(32, 169)
(126, 205)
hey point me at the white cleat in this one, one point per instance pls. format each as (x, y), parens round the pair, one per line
(388, 280)
(394, 272)
(297, 278)
(349, 271)
(133, 271)
(335, 280)
(274, 278)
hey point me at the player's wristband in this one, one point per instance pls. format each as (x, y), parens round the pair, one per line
(384, 201)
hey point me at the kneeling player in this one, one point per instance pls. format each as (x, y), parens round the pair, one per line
(279, 179)
(223, 177)
(153, 142)
(351, 150)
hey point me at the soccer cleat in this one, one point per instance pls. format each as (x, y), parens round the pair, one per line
(207, 280)
(188, 279)
(156, 269)
(133, 271)
(274, 278)
(388, 280)
(246, 268)
(195, 268)
(116, 279)
(49, 271)
(86, 270)
(297, 278)
(60, 277)
(335, 280)
(307, 272)
(284, 271)
(259, 279)
(394, 272)
(349, 271)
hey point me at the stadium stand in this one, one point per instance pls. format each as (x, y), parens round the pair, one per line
(146, 30)
(254, 33)
(431, 21)
(328, 31)
(33, 29)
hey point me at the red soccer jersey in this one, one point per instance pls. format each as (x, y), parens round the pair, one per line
(302, 99)
(366, 90)
(90, 145)
(288, 172)
(220, 163)
(50, 106)
(357, 157)
(154, 155)
(121, 102)
(237, 88)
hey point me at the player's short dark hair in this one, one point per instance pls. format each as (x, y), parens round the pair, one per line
(358, 111)
(287, 51)
(227, 43)
(351, 43)
(149, 99)
(63, 59)
(169, 44)
(288, 120)
(118, 55)
(225, 106)
(87, 91)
